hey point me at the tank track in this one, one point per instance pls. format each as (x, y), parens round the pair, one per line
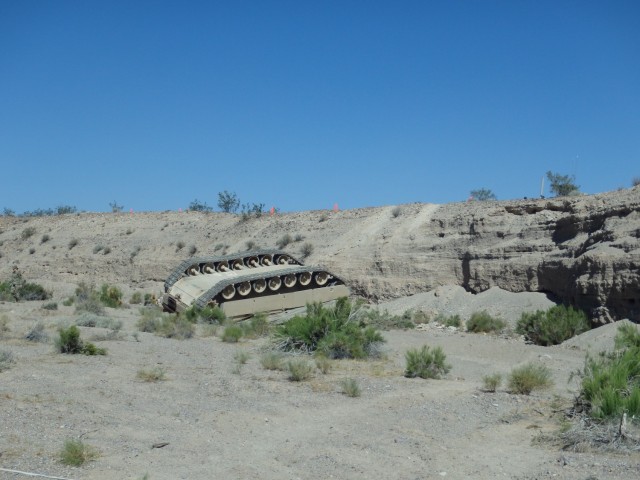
(200, 263)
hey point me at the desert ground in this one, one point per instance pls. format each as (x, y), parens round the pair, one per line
(213, 418)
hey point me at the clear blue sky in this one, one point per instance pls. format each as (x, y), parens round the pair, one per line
(303, 104)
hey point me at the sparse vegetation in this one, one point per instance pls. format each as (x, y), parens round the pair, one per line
(562, 185)
(482, 322)
(241, 357)
(76, 453)
(110, 296)
(179, 245)
(87, 319)
(350, 387)
(299, 370)
(250, 245)
(332, 332)
(483, 194)
(69, 342)
(272, 360)
(17, 290)
(135, 299)
(557, 324)
(396, 212)
(449, 321)
(134, 253)
(106, 251)
(491, 382)
(197, 206)
(97, 249)
(27, 233)
(37, 333)
(306, 249)
(129, 231)
(248, 210)
(383, 320)
(610, 383)
(426, 363)
(6, 360)
(68, 302)
(45, 238)
(323, 364)
(32, 251)
(50, 306)
(208, 315)
(232, 334)
(284, 241)
(88, 300)
(192, 250)
(527, 378)
(155, 374)
(73, 243)
(298, 238)
(228, 202)
(635, 181)
(115, 208)
(256, 326)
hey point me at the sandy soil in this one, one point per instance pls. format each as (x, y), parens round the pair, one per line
(219, 422)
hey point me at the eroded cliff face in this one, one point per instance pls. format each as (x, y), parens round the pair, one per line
(581, 250)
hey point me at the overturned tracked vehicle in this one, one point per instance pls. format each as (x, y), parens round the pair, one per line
(247, 283)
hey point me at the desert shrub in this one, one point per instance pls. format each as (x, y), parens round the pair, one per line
(32, 291)
(306, 249)
(611, 382)
(76, 453)
(350, 387)
(50, 306)
(37, 333)
(635, 181)
(68, 302)
(218, 247)
(396, 212)
(330, 331)
(193, 250)
(110, 296)
(210, 315)
(228, 202)
(284, 241)
(552, 327)
(482, 322)
(250, 244)
(69, 341)
(129, 231)
(175, 326)
(483, 194)
(5, 292)
(384, 320)
(491, 382)
(241, 357)
(98, 248)
(197, 206)
(449, 321)
(6, 360)
(27, 233)
(150, 319)
(134, 253)
(73, 243)
(271, 360)
(527, 378)
(106, 251)
(256, 326)
(298, 238)
(136, 298)
(323, 364)
(299, 370)
(45, 238)
(232, 334)
(628, 336)
(155, 374)
(149, 299)
(4, 325)
(426, 363)
(323, 218)
(562, 185)
(179, 245)
(87, 319)
(32, 251)
(88, 300)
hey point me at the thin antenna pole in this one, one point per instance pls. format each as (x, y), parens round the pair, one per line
(542, 186)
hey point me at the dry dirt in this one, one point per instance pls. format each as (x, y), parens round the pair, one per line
(221, 421)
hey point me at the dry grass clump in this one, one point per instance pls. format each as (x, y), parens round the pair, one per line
(323, 364)
(524, 380)
(37, 333)
(6, 360)
(350, 387)
(299, 370)
(482, 322)
(426, 363)
(155, 374)
(272, 360)
(76, 453)
(491, 382)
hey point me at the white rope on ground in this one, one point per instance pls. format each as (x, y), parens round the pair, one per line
(32, 474)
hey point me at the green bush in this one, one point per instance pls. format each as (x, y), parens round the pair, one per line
(257, 326)
(482, 322)
(529, 377)
(450, 321)
(32, 291)
(284, 241)
(330, 331)
(150, 319)
(50, 306)
(211, 315)
(110, 296)
(306, 249)
(88, 300)
(136, 298)
(384, 320)
(323, 364)
(232, 334)
(174, 326)
(557, 324)
(611, 382)
(76, 453)
(69, 341)
(299, 370)
(37, 333)
(426, 363)
(491, 382)
(28, 233)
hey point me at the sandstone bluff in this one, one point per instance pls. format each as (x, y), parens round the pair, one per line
(582, 250)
